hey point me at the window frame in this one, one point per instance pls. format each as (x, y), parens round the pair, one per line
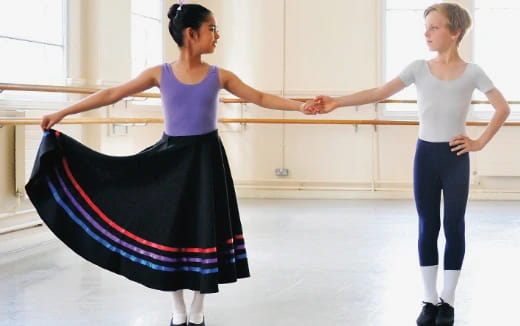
(32, 100)
(400, 111)
(160, 20)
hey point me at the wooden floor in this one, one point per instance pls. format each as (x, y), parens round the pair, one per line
(313, 262)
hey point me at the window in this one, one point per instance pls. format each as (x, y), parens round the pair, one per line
(495, 47)
(146, 34)
(32, 42)
(404, 42)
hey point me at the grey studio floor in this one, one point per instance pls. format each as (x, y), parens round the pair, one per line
(313, 262)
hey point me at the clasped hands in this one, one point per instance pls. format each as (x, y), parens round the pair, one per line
(319, 105)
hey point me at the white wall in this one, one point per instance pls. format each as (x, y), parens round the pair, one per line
(331, 47)
(291, 47)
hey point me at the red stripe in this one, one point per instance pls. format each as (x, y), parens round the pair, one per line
(238, 236)
(122, 230)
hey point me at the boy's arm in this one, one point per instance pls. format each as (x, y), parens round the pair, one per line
(372, 95)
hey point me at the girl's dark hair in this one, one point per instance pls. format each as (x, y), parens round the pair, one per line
(190, 15)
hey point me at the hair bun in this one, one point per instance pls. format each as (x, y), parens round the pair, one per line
(173, 11)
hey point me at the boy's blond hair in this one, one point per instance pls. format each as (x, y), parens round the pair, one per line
(458, 17)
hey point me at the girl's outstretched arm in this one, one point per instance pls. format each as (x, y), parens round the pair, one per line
(234, 85)
(145, 80)
(372, 95)
(463, 143)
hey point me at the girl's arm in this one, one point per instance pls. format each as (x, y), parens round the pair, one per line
(463, 144)
(372, 95)
(234, 85)
(145, 80)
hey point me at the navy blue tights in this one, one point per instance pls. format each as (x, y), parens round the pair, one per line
(438, 169)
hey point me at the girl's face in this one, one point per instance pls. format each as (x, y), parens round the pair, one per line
(208, 35)
(438, 35)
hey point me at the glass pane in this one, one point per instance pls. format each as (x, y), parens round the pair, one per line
(31, 63)
(404, 43)
(497, 4)
(409, 4)
(146, 43)
(38, 20)
(497, 55)
(148, 8)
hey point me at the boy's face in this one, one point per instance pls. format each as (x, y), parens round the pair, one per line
(438, 35)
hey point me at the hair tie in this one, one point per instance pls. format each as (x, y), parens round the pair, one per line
(181, 3)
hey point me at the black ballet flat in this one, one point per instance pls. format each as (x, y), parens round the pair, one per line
(428, 314)
(172, 324)
(193, 324)
(445, 315)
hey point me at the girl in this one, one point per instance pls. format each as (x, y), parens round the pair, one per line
(444, 88)
(166, 217)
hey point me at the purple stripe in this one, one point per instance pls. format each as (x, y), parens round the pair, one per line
(240, 247)
(124, 243)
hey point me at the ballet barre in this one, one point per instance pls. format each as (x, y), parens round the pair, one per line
(303, 99)
(91, 90)
(145, 121)
(63, 89)
(81, 121)
(373, 122)
(134, 121)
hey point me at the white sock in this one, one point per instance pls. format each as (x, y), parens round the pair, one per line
(451, 278)
(178, 307)
(429, 276)
(197, 308)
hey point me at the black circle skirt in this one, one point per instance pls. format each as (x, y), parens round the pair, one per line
(166, 217)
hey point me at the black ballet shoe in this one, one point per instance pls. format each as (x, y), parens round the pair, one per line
(445, 315)
(193, 324)
(427, 315)
(183, 324)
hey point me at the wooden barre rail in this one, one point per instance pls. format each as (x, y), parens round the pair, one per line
(373, 122)
(137, 121)
(301, 99)
(91, 90)
(63, 89)
(80, 121)
(87, 90)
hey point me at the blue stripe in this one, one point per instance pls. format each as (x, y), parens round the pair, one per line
(120, 251)
(242, 256)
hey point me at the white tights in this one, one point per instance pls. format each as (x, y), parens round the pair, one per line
(179, 308)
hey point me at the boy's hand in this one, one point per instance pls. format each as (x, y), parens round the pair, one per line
(326, 103)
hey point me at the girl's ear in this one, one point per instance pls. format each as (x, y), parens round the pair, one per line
(191, 33)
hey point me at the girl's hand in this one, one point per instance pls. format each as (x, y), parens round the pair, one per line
(310, 107)
(463, 144)
(50, 120)
(326, 103)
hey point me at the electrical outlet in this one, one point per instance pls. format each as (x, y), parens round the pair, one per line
(281, 172)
